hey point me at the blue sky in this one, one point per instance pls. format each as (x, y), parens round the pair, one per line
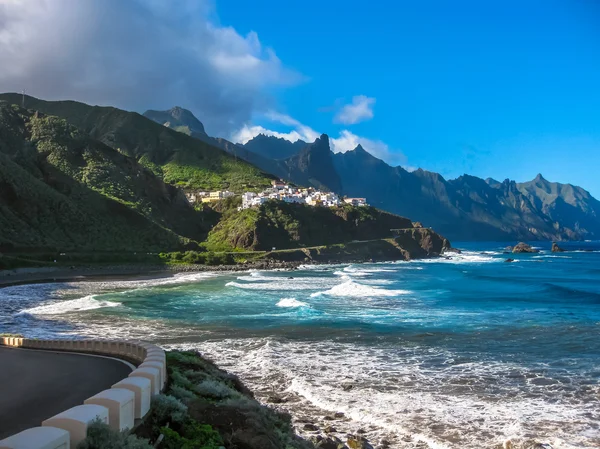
(503, 89)
(497, 88)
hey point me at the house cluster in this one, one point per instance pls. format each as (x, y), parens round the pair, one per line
(289, 194)
(279, 191)
(208, 197)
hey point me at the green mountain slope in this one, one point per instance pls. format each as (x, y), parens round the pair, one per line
(284, 225)
(61, 189)
(176, 157)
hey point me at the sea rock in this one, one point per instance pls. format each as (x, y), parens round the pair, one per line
(509, 260)
(311, 427)
(329, 442)
(339, 415)
(535, 445)
(358, 442)
(452, 250)
(556, 248)
(524, 248)
(274, 399)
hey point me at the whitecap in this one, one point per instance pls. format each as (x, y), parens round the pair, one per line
(73, 305)
(291, 302)
(464, 257)
(354, 289)
(281, 283)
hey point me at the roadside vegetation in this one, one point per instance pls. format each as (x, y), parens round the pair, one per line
(204, 407)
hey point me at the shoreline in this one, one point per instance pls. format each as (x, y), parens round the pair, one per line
(44, 275)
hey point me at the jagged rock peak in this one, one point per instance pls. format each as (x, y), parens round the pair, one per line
(177, 116)
(324, 138)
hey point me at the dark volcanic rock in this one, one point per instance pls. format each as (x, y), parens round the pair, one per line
(509, 260)
(358, 442)
(452, 250)
(556, 248)
(330, 442)
(524, 248)
(274, 399)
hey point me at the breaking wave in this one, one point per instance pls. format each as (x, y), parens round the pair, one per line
(354, 289)
(291, 302)
(73, 305)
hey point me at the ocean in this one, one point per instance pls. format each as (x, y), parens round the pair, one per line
(466, 352)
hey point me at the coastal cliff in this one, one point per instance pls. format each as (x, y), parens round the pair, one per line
(416, 243)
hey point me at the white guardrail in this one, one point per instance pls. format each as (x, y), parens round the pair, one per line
(119, 407)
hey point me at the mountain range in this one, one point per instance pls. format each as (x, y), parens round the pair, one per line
(171, 151)
(466, 208)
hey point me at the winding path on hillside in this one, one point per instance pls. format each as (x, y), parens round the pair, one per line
(35, 385)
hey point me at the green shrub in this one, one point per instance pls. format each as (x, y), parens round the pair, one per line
(214, 389)
(195, 436)
(194, 257)
(178, 255)
(101, 436)
(219, 259)
(181, 393)
(179, 379)
(167, 408)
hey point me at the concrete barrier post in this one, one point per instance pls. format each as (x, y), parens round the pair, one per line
(149, 373)
(120, 403)
(38, 438)
(142, 390)
(156, 353)
(159, 365)
(76, 421)
(161, 360)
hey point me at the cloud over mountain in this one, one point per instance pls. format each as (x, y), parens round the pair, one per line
(345, 141)
(137, 55)
(360, 110)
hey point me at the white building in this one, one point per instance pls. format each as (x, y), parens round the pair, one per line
(356, 201)
(310, 196)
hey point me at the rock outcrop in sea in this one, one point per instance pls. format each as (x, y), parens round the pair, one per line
(556, 248)
(524, 248)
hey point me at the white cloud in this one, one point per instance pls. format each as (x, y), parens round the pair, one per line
(360, 110)
(346, 140)
(138, 54)
(247, 133)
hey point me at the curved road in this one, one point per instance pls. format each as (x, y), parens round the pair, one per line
(35, 385)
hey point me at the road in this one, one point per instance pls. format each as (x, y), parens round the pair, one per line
(35, 385)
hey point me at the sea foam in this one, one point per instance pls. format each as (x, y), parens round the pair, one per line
(73, 305)
(291, 302)
(352, 288)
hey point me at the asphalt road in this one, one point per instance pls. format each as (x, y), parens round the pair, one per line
(35, 385)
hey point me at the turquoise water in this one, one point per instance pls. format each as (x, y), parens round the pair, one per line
(468, 352)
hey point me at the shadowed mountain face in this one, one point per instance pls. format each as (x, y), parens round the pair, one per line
(173, 156)
(466, 208)
(180, 120)
(61, 189)
(275, 148)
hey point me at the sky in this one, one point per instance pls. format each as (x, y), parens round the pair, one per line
(502, 89)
